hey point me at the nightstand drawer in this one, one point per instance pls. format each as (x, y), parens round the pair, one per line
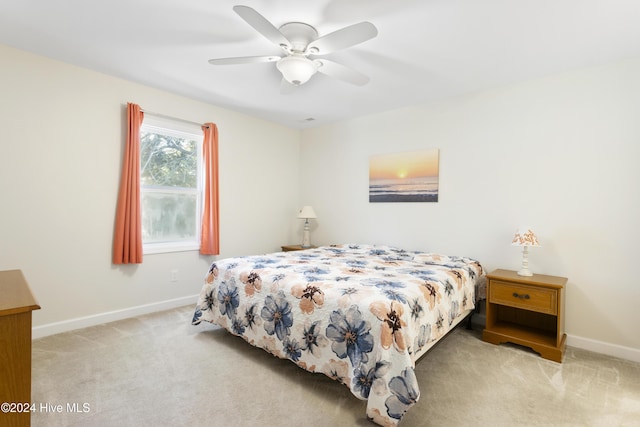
(523, 296)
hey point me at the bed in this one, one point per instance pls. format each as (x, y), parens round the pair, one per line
(360, 314)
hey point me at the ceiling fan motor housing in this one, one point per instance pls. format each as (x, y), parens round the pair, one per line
(296, 68)
(299, 35)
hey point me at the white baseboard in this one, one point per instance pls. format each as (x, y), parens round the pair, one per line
(110, 316)
(602, 347)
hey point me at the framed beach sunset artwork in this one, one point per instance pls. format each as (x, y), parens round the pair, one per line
(404, 177)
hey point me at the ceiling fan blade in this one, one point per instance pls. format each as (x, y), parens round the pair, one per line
(262, 25)
(243, 60)
(286, 87)
(343, 38)
(339, 71)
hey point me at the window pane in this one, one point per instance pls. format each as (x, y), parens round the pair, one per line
(168, 217)
(167, 161)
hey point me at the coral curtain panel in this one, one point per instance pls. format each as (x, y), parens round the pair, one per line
(127, 241)
(209, 238)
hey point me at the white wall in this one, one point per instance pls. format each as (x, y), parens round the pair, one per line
(560, 154)
(62, 135)
(577, 133)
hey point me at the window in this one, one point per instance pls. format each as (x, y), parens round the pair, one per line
(170, 186)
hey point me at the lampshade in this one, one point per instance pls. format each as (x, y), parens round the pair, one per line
(296, 69)
(306, 213)
(525, 237)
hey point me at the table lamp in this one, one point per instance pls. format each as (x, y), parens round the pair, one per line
(306, 213)
(525, 237)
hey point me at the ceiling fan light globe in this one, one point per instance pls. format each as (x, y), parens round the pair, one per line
(297, 70)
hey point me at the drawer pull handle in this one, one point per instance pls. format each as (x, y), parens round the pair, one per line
(521, 296)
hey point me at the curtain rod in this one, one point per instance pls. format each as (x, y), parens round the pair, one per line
(164, 116)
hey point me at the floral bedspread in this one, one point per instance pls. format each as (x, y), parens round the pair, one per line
(360, 314)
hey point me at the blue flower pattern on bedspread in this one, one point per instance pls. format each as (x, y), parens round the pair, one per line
(360, 314)
(277, 316)
(350, 335)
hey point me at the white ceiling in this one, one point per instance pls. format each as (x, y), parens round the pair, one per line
(425, 50)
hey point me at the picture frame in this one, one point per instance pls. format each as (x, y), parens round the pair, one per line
(411, 176)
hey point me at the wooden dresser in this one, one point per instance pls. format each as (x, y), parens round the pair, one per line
(16, 305)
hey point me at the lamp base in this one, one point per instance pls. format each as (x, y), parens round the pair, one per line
(525, 272)
(306, 243)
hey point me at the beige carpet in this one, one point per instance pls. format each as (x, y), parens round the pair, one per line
(158, 370)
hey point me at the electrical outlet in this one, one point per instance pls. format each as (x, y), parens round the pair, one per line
(174, 275)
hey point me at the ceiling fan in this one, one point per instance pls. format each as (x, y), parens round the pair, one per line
(300, 42)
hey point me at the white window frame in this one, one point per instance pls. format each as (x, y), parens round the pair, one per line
(177, 129)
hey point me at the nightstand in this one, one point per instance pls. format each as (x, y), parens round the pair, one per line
(289, 248)
(526, 310)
